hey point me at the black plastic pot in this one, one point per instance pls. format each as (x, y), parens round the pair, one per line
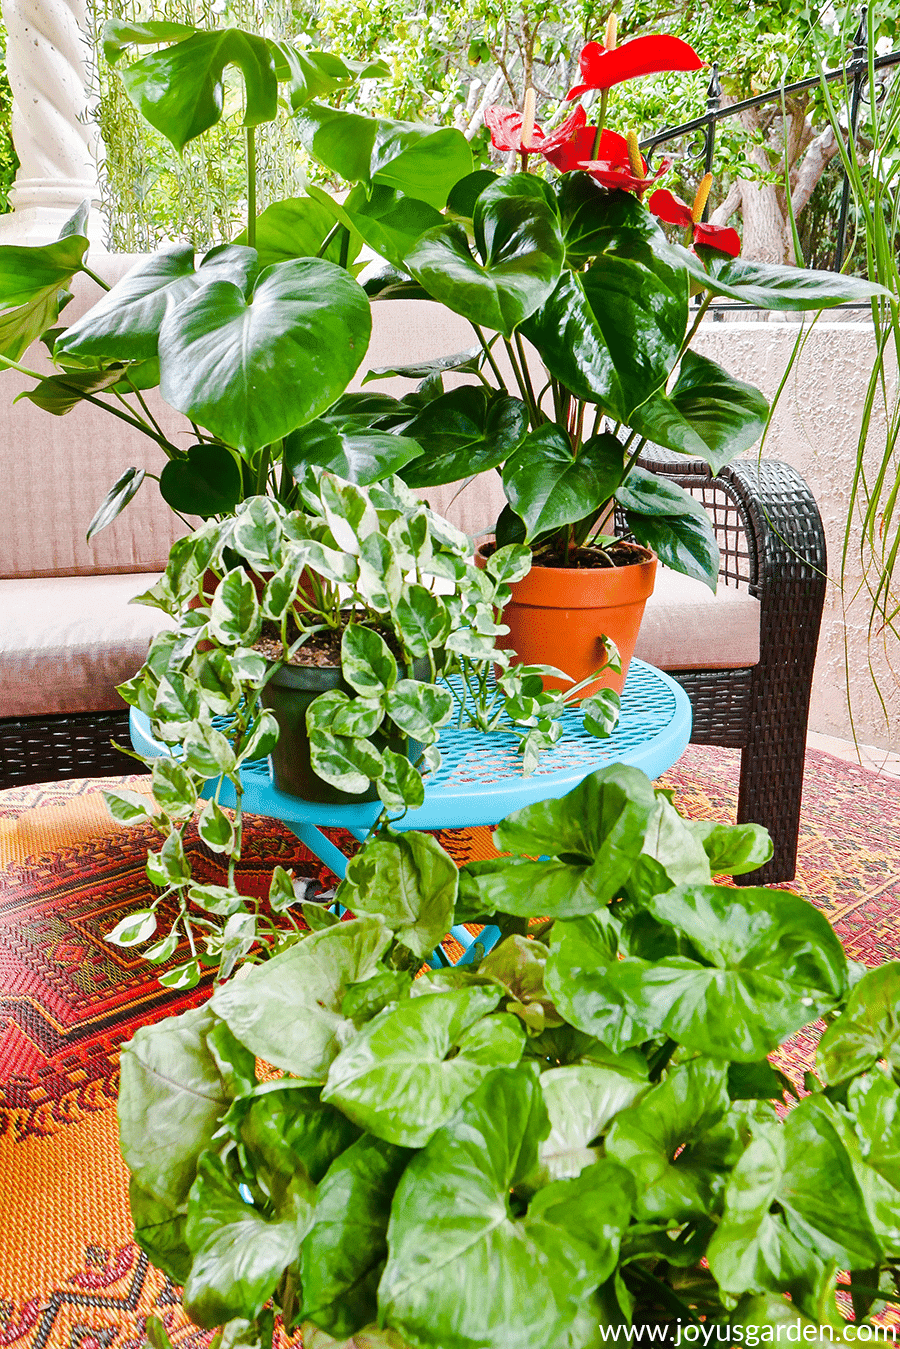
(288, 694)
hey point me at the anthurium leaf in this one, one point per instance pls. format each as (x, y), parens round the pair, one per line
(181, 90)
(343, 1254)
(519, 258)
(125, 322)
(296, 227)
(582, 1100)
(867, 1030)
(686, 543)
(577, 978)
(465, 431)
(240, 1253)
(768, 285)
(777, 1211)
(31, 283)
(359, 456)
(548, 486)
(774, 966)
(595, 221)
(655, 1140)
(613, 333)
(395, 1078)
(288, 1010)
(207, 481)
(171, 1100)
(451, 1221)
(252, 368)
(467, 191)
(410, 157)
(708, 414)
(115, 501)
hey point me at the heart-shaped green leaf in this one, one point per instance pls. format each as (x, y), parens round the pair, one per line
(297, 227)
(344, 1252)
(772, 964)
(520, 254)
(253, 369)
(867, 1030)
(409, 882)
(288, 1010)
(613, 333)
(389, 222)
(768, 285)
(125, 323)
(395, 1078)
(207, 481)
(363, 457)
(549, 486)
(465, 431)
(708, 414)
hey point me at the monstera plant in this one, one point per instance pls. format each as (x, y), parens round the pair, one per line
(577, 1132)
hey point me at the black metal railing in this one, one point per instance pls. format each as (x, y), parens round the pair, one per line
(854, 74)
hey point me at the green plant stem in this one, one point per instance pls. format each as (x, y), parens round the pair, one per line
(520, 381)
(262, 472)
(251, 186)
(94, 277)
(634, 456)
(501, 382)
(526, 375)
(704, 305)
(143, 402)
(344, 258)
(327, 241)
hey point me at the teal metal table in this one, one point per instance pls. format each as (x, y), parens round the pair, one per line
(480, 779)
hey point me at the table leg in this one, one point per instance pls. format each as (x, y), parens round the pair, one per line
(321, 847)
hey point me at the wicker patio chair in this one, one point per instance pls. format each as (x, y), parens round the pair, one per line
(46, 749)
(771, 539)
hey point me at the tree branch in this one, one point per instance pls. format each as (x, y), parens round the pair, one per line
(722, 214)
(820, 153)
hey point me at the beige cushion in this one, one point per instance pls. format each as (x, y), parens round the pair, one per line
(66, 642)
(56, 471)
(687, 627)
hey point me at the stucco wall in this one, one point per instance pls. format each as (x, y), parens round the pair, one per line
(816, 428)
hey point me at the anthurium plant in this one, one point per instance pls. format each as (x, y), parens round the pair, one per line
(577, 1132)
(367, 580)
(560, 267)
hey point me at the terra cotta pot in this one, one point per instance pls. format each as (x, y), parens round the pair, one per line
(559, 616)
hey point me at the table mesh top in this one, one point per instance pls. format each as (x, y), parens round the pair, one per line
(471, 757)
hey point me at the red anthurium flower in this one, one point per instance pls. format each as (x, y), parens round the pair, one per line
(505, 126)
(602, 67)
(674, 211)
(620, 164)
(718, 236)
(671, 209)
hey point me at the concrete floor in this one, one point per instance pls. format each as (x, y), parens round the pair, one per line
(879, 760)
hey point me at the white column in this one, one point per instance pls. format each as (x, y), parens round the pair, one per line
(48, 60)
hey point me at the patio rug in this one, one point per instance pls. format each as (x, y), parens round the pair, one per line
(70, 1277)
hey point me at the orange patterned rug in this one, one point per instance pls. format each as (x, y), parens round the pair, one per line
(70, 1277)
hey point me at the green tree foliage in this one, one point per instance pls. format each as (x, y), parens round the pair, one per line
(8, 159)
